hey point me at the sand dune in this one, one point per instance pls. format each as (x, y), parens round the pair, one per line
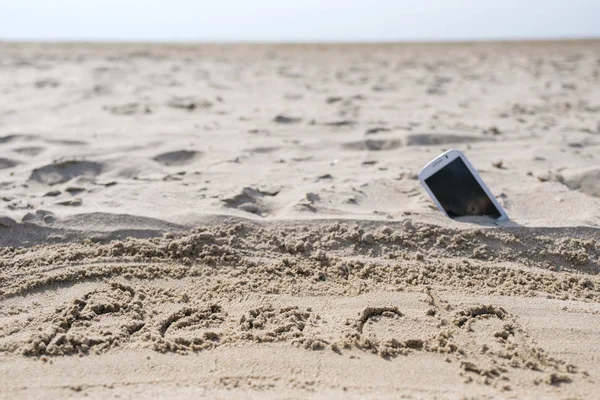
(246, 221)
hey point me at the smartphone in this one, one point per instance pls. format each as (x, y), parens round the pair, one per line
(457, 189)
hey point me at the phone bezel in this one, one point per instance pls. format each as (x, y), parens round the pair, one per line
(440, 162)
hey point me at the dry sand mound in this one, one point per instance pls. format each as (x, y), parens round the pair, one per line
(180, 157)
(64, 171)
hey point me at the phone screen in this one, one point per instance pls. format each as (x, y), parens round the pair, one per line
(459, 193)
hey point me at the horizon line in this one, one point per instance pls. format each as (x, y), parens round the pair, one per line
(300, 42)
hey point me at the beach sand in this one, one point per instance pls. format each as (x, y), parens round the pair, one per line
(229, 221)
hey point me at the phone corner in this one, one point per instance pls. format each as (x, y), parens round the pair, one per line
(453, 151)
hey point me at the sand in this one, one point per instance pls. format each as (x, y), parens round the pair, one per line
(230, 221)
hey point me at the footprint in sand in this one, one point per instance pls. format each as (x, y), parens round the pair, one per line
(67, 142)
(586, 181)
(177, 158)
(47, 83)
(264, 150)
(16, 137)
(250, 200)
(189, 103)
(96, 322)
(6, 163)
(373, 145)
(39, 216)
(373, 131)
(431, 139)
(340, 123)
(33, 150)
(29, 150)
(128, 109)
(309, 202)
(76, 202)
(285, 119)
(64, 171)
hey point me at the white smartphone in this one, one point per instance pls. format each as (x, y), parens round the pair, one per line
(457, 189)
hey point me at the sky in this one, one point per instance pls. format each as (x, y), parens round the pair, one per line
(297, 20)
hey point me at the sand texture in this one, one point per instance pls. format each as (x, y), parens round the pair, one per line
(236, 221)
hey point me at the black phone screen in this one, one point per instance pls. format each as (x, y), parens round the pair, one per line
(459, 193)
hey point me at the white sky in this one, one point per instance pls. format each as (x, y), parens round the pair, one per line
(296, 20)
